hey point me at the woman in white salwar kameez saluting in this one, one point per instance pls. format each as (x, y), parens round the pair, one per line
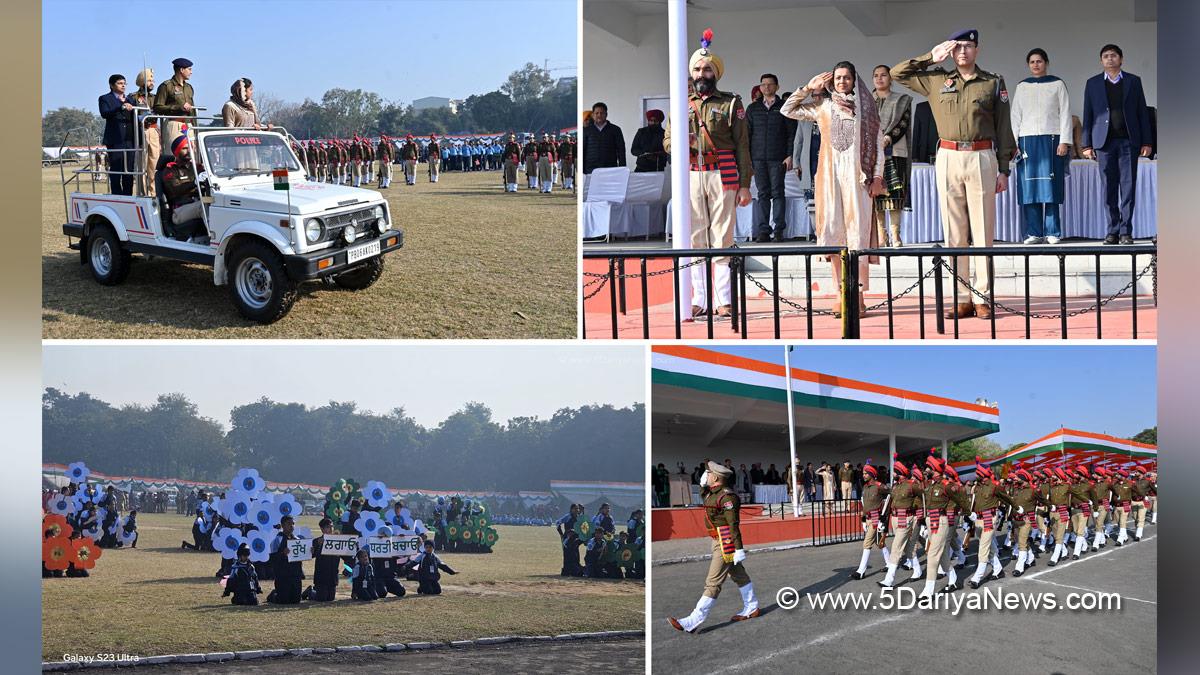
(850, 163)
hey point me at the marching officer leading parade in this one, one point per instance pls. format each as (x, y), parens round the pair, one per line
(721, 506)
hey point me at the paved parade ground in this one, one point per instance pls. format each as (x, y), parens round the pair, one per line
(913, 640)
(477, 262)
(158, 599)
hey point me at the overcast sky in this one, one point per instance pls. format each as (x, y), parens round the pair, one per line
(293, 49)
(429, 382)
(1102, 389)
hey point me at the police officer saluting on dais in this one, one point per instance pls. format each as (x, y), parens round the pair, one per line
(719, 144)
(971, 109)
(721, 505)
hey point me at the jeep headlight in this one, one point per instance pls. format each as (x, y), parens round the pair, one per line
(349, 234)
(380, 222)
(313, 230)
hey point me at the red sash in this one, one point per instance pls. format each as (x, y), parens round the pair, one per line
(725, 533)
(935, 517)
(1062, 513)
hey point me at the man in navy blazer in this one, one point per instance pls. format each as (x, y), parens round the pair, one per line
(1116, 130)
(118, 134)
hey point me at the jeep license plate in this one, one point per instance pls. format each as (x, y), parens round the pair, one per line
(361, 252)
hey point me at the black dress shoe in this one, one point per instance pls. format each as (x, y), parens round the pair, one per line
(858, 576)
(906, 566)
(941, 576)
(779, 237)
(973, 584)
(762, 238)
(950, 588)
(1075, 557)
(1017, 573)
(1052, 563)
(1126, 240)
(1111, 239)
(1000, 575)
(1137, 538)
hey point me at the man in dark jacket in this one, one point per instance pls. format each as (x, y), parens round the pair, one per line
(648, 144)
(603, 143)
(1116, 131)
(118, 134)
(771, 137)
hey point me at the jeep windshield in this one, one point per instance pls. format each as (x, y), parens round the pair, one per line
(247, 155)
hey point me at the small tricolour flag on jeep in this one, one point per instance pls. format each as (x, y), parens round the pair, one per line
(281, 179)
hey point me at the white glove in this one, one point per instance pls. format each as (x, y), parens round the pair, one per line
(1020, 510)
(973, 517)
(704, 479)
(864, 526)
(739, 556)
(1091, 503)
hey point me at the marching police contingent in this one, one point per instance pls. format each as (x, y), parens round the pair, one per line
(361, 161)
(1064, 510)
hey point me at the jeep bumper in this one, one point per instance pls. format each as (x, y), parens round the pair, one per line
(318, 264)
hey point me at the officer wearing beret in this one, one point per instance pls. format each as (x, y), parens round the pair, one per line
(175, 97)
(721, 506)
(971, 109)
(719, 144)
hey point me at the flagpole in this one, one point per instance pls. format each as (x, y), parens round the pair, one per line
(787, 374)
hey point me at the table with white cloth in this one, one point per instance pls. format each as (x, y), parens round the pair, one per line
(1084, 212)
(618, 202)
(770, 494)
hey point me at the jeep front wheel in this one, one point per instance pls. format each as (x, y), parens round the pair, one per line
(258, 283)
(361, 277)
(106, 258)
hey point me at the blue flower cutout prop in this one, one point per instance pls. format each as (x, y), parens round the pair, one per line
(303, 533)
(286, 505)
(419, 527)
(368, 523)
(227, 542)
(237, 507)
(259, 542)
(126, 537)
(377, 494)
(264, 516)
(62, 505)
(77, 472)
(247, 480)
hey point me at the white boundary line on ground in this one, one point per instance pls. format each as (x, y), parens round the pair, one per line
(1092, 590)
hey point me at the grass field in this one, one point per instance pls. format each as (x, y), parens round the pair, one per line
(159, 599)
(474, 256)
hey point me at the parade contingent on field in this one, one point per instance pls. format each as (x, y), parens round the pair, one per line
(547, 161)
(607, 553)
(1064, 511)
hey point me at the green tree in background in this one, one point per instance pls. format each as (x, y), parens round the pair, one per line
(1148, 436)
(56, 124)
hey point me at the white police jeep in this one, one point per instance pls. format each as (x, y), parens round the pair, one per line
(262, 226)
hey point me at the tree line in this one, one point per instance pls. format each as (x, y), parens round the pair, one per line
(292, 442)
(529, 100)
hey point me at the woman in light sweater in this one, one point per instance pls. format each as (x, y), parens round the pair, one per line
(1041, 121)
(850, 165)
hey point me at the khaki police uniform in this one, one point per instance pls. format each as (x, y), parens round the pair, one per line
(719, 151)
(169, 100)
(972, 117)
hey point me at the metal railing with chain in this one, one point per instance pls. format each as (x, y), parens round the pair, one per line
(737, 311)
(943, 264)
(946, 260)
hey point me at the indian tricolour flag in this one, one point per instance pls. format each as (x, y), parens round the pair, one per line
(281, 179)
